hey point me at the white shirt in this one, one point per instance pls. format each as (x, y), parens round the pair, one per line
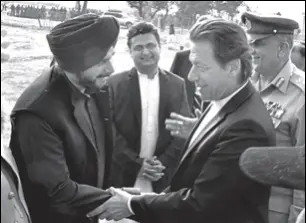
(149, 92)
(211, 114)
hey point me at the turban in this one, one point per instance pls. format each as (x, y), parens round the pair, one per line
(82, 42)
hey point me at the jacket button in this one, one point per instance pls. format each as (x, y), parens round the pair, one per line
(11, 195)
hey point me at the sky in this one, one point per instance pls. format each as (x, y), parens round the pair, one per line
(291, 9)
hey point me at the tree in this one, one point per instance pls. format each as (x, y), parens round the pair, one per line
(150, 8)
(188, 10)
(78, 6)
(81, 9)
(84, 8)
(229, 8)
(139, 5)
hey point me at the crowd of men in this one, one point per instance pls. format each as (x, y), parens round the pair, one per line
(218, 138)
(41, 12)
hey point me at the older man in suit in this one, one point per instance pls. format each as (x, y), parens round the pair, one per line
(145, 153)
(181, 66)
(61, 134)
(208, 185)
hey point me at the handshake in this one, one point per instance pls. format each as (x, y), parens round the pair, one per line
(118, 206)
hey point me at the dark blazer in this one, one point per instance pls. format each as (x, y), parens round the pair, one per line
(126, 106)
(62, 168)
(181, 66)
(209, 185)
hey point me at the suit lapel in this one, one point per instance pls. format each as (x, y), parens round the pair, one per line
(135, 95)
(163, 98)
(229, 107)
(209, 128)
(80, 116)
(163, 106)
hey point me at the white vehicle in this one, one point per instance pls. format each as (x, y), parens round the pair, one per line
(124, 19)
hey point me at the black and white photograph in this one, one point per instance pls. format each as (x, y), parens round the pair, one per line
(153, 111)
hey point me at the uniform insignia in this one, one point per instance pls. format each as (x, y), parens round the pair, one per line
(276, 112)
(279, 82)
(298, 79)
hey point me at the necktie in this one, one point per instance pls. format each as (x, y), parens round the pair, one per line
(98, 134)
(197, 103)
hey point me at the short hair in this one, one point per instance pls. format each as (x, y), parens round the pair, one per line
(229, 42)
(140, 29)
(288, 38)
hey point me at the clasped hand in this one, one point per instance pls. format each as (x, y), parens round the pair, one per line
(116, 208)
(152, 169)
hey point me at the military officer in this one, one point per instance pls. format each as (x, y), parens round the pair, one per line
(282, 87)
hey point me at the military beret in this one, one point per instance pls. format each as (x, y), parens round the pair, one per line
(259, 27)
(81, 42)
(275, 166)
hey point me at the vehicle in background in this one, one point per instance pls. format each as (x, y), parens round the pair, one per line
(124, 19)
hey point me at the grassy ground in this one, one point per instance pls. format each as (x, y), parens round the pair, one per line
(30, 54)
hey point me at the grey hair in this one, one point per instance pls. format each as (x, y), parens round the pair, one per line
(286, 38)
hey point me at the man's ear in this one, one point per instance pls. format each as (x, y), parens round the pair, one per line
(234, 67)
(283, 49)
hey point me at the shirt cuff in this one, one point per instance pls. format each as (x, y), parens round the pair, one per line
(130, 205)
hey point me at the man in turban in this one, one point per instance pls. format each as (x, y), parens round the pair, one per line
(61, 131)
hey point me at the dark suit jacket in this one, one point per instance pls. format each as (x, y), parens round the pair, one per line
(181, 66)
(61, 167)
(126, 106)
(209, 185)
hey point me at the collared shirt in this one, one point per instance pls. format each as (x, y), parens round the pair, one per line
(285, 100)
(213, 111)
(149, 92)
(284, 97)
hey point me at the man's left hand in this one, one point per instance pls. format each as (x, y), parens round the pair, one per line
(116, 208)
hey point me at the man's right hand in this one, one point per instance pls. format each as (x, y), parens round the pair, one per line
(152, 169)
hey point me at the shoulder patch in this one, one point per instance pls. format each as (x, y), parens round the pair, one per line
(298, 79)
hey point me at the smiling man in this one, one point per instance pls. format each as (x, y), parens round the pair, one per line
(61, 134)
(208, 185)
(282, 88)
(145, 153)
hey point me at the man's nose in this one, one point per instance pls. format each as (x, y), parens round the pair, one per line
(109, 68)
(145, 51)
(192, 75)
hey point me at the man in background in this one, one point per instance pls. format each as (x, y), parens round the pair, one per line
(282, 88)
(145, 154)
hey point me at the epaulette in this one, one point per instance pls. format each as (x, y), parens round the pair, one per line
(298, 78)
